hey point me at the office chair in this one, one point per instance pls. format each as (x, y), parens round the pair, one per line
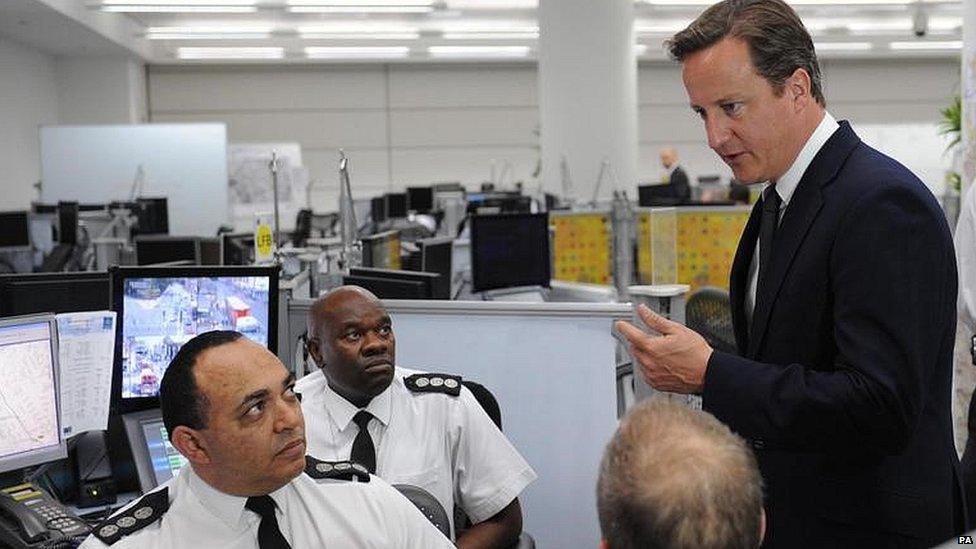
(490, 405)
(709, 312)
(428, 505)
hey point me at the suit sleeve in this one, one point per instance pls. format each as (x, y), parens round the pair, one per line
(892, 288)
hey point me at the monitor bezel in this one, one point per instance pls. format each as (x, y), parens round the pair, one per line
(119, 275)
(478, 284)
(59, 450)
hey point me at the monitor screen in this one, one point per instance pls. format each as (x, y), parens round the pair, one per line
(420, 199)
(30, 430)
(24, 294)
(382, 250)
(152, 250)
(396, 205)
(14, 230)
(389, 288)
(377, 209)
(156, 459)
(237, 248)
(162, 308)
(153, 215)
(435, 257)
(509, 250)
(426, 291)
(68, 222)
(656, 195)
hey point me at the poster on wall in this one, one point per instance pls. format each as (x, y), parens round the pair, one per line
(250, 188)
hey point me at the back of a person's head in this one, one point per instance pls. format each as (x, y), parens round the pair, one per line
(675, 478)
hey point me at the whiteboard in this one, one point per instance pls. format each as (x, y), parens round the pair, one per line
(552, 368)
(186, 163)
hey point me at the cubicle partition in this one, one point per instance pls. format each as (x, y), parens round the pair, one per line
(552, 368)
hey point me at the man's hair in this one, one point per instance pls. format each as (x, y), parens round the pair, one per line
(675, 478)
(180, 398)
(778, 42)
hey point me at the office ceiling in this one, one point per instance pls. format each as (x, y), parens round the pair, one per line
(338, 31)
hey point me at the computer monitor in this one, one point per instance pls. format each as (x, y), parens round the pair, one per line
(377, 209)
(420, 199)
(68, 222)
(210, 251)
(435, 257)
(656, 195)
(15, 230)
(163, 249)
(396, 205)
(161, 308)
(382, 250)
(24, 294)
(390, 288)
(29, 419)
(153, 215)
(429, 281)
(509, 250)
(237, 248)
(155, 458)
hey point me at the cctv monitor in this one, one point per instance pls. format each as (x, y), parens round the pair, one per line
(15, 230)
(155, 458)
(420, 199)
(164, 249)
(656, 195)
(396, 205)
(23, 294)
(509, 250)
(390, 288)
(377, 209)
(429, 281)
(29, 418)
(435, 257)
(153, 216)
(161, 308)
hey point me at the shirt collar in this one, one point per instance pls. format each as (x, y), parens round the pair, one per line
(226, 507)
(786, 185)
(341, 411)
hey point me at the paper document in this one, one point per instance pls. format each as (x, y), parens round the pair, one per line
(86, 352)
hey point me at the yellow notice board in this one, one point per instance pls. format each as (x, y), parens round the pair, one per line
(582, 247)
(706, 239)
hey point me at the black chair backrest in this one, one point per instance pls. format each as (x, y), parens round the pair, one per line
(486, 400)
(428, 505)
(709, 312)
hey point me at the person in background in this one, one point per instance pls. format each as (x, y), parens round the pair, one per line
(676, 177)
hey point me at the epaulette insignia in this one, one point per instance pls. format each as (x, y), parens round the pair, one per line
(144, 512)
(337, 470)
(434, 383)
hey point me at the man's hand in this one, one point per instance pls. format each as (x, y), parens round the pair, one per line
(675, 361)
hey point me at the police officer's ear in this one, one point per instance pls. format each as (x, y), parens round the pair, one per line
(312, 346)
(189, 442)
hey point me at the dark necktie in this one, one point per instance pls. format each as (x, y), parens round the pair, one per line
(269, 535)
(767, 232)
(363, 451)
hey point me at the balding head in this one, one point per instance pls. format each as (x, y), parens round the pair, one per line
(669, 157)
(351, 340)
(678, 478)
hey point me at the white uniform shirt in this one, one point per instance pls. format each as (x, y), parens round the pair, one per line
(311, 513)
(785, 186)
(444, 444)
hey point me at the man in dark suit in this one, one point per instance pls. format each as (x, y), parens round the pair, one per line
(843, 292)
(677, 178)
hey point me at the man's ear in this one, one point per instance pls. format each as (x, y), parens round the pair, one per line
(799, 86)
(762, 525)
(312, 344)
(191, 444)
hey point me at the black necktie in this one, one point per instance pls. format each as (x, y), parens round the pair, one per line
(363, 451)
(767, 231)
(269, 535)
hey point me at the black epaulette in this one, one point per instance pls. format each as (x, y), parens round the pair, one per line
(434, 383)
(144, 512)
(336, 470)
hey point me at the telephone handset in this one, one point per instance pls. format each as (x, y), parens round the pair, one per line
(29, 517)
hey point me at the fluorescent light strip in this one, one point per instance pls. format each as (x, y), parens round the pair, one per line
(478, 51)
(392, 52)
(361, 3)
(142, 8)
(231, 53)
(843, 46)
(491, 35)
(930, 45)
(207, 33)
(357, 32)
(661, 28)
(361, 9)
(180, 3)
(640, 49)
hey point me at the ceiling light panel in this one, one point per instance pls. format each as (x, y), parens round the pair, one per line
(340, 31)
(478, 51)
(360, 6)
(231, 53)
(927, 45)
(208, 33)
(379, 52)
(843, 46)
(177, 6)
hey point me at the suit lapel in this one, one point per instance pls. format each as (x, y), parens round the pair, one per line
(739, 278)
(803, 208)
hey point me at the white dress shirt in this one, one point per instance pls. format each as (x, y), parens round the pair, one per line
(311, 513)
(444, 444)
(785, 186)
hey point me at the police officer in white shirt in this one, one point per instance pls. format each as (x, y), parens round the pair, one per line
(230, 408)
(425, 430)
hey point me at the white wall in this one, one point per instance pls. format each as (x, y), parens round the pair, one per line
(28, 99)
(416, 124)
(101, 90)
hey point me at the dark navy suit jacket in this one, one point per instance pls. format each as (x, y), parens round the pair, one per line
(844, 380)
